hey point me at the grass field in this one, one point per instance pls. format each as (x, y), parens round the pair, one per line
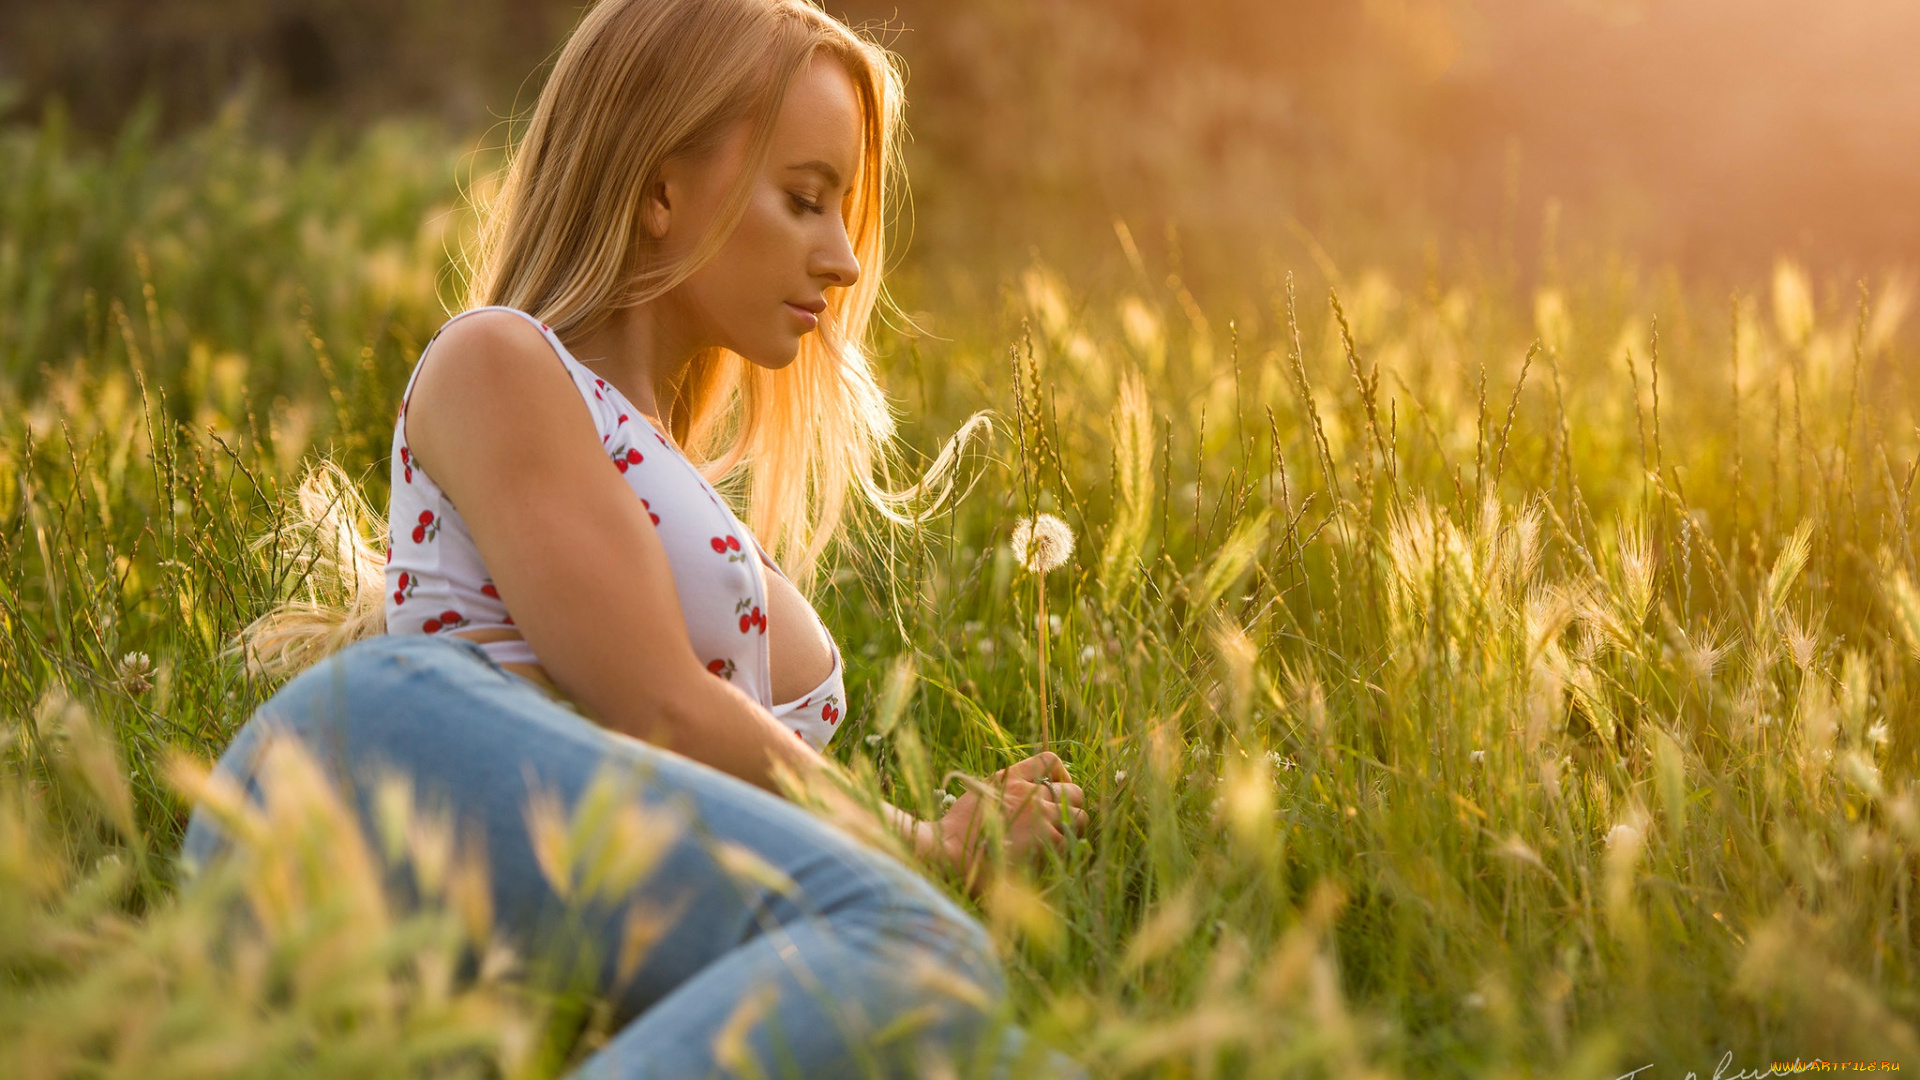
(1471, 677)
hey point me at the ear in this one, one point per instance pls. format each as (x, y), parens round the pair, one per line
(656, 208)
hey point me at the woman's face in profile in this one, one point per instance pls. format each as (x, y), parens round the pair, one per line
(762, 291)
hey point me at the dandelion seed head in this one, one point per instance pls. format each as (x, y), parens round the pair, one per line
(1622, 834)
(1042, 543)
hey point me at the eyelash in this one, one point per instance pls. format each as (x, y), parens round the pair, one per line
(802, 204)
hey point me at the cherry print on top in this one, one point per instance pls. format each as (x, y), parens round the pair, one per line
(437, 582)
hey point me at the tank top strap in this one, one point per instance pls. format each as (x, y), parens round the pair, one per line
(566, 359)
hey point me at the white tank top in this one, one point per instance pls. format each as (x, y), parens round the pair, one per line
(437, 582)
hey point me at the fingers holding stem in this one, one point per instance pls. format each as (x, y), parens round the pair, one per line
(1012, 817)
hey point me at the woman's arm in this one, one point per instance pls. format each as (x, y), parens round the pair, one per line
(495, 419)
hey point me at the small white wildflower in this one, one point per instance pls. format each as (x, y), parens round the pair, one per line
(1281, 762)
(1054, 624)
(873, 739)
(1087, 653)
(1878, 732)
(986, 646)
(136, 673)
(1119, 776)
(1478, 757)
(970, 627)
(1042, 543)
(947, 799)
(1475, 1000)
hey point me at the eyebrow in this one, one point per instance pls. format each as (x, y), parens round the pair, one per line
(828, 172)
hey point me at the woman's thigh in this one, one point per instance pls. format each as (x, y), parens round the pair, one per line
(486, 747)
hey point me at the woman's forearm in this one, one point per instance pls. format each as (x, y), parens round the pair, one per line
(923, 837)
(715, 723)
(720, 726)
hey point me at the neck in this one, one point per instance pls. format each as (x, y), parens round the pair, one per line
(643, 351)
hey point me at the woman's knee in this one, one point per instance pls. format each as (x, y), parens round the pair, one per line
(916, 916)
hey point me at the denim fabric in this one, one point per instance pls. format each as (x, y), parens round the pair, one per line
(853, 970)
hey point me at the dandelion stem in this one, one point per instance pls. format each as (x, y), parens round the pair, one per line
(1046, 733)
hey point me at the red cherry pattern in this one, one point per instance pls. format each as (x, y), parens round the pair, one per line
(489, 590)
(404, 588)
(728, 546)
(427, 529)
(750, 616)
(649, 509)
(722, 667)
(830, 712)
(447, 620)
(406, 459)
(626, 459)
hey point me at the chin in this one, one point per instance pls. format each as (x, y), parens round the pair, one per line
(773, 357)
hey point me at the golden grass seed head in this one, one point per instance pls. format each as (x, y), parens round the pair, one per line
(1703, 653)
(1551, 321)
(1787, 566)
(1802, 642)
(1046, 297)
(1637, 573)
(1793, 312)
(1904, 598)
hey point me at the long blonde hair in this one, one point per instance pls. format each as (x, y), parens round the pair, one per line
(639, 83)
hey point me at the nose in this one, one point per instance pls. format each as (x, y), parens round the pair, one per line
(835, 261)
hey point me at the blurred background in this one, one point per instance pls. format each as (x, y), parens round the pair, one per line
(1712, 135)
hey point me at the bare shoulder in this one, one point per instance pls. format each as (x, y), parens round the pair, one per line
(489, 377)
(486, 346)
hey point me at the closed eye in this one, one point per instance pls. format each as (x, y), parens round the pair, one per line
(801, 203)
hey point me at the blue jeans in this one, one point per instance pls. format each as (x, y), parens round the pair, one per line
(839, 959)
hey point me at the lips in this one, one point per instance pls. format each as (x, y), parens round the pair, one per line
(808, 316)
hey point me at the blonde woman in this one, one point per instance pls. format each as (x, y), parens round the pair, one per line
(677, 277)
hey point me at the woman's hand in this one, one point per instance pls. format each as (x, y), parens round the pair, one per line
(1038, 805)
